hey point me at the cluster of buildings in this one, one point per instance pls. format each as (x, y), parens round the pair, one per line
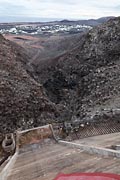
(46, 29)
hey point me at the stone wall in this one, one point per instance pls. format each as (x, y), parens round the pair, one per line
(32, 136)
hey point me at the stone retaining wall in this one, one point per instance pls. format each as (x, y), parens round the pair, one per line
(34, 135)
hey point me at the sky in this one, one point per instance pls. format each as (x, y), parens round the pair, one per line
(59, 9)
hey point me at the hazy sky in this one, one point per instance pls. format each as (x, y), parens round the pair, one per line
(64, 9)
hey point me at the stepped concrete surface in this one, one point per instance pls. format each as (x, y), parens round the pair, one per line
(43, 161)
(106, 140)
(40, 157)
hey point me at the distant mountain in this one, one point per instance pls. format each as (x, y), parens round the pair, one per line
(104, 19)
(67, 21)
(12, 19)
(89, 22)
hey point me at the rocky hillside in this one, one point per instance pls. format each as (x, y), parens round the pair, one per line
(23, 102)
(87, 79)
(80, 84)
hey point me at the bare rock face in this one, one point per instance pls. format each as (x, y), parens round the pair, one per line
(23, 103)
(87, 79)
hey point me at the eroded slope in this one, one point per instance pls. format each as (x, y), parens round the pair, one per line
(23, 102)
